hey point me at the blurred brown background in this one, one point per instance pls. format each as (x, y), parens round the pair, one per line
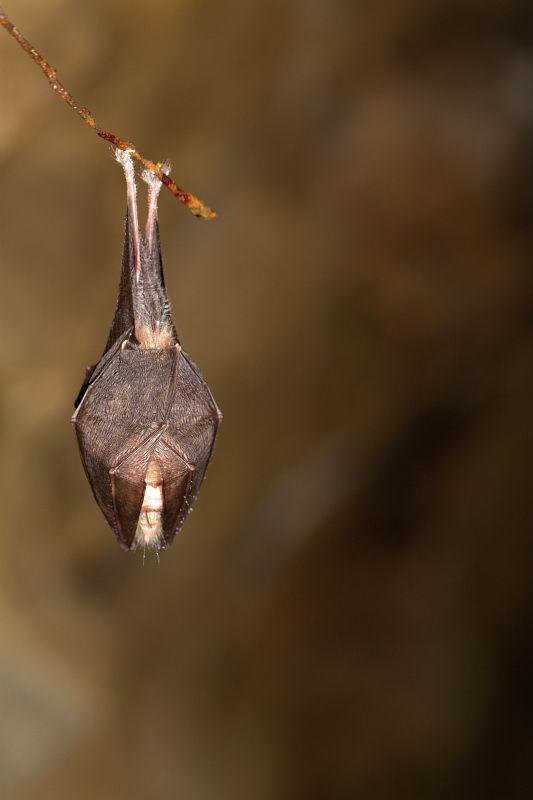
(349, 611)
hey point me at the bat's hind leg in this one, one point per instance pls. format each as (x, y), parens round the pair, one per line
(154, 187)
(126, 161)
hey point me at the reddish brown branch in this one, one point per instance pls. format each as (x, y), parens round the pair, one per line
(196, 206)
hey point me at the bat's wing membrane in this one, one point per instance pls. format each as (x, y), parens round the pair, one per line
(137, 405)
(192, 426)
(177, 475)
(124, 317)
(127, 487)
(118, 423)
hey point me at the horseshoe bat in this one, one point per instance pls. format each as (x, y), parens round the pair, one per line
(145, 419)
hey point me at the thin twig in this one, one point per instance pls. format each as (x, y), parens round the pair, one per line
(196, 206)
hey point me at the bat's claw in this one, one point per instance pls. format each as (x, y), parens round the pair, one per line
(124, 158)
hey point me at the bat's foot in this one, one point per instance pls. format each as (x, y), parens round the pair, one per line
(125, 159)
(149, 177)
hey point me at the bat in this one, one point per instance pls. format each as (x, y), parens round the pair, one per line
(145, 419)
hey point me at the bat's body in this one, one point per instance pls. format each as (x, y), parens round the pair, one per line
(145, 419)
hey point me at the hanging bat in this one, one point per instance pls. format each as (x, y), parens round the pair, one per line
(145, 419)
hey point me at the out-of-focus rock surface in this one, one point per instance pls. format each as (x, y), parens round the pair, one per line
(349, 612)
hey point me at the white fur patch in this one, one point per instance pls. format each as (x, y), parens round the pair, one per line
(149, 531)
